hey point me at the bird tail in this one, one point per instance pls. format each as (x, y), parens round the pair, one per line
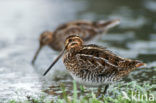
(106, 25)
(139, 64)
(130, 65)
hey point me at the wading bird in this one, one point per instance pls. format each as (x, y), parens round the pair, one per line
(93, 65)
(87, 30)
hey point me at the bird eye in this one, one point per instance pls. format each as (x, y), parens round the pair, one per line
(70, 40)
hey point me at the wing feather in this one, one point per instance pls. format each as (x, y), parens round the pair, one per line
(93, 63)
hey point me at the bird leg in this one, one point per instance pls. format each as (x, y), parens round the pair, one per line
(106, 88)
(99, 91)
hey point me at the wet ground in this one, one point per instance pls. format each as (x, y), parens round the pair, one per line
(22, 21)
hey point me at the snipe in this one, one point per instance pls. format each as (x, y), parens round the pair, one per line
(93, 65)
(86, 30)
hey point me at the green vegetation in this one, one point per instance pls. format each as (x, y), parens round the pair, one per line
(141, 94)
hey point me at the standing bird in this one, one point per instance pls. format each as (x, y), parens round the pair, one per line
(93, 65)
(87, 30)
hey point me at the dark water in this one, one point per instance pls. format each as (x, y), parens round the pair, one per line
(22, 21)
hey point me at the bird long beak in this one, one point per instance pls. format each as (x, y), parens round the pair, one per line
(55, 61)
(36, 54)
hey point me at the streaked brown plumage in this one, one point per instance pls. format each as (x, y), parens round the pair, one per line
(86, 30)
(93, 65)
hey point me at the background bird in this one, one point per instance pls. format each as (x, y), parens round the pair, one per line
(87, 30)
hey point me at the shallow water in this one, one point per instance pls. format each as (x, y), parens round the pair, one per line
(22, 21)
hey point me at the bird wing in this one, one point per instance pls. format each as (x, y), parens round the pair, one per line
(72, 23)
(103, 62)
(97, 59)
(84, 32)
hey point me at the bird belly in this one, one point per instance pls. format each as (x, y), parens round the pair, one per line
(87, 82)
